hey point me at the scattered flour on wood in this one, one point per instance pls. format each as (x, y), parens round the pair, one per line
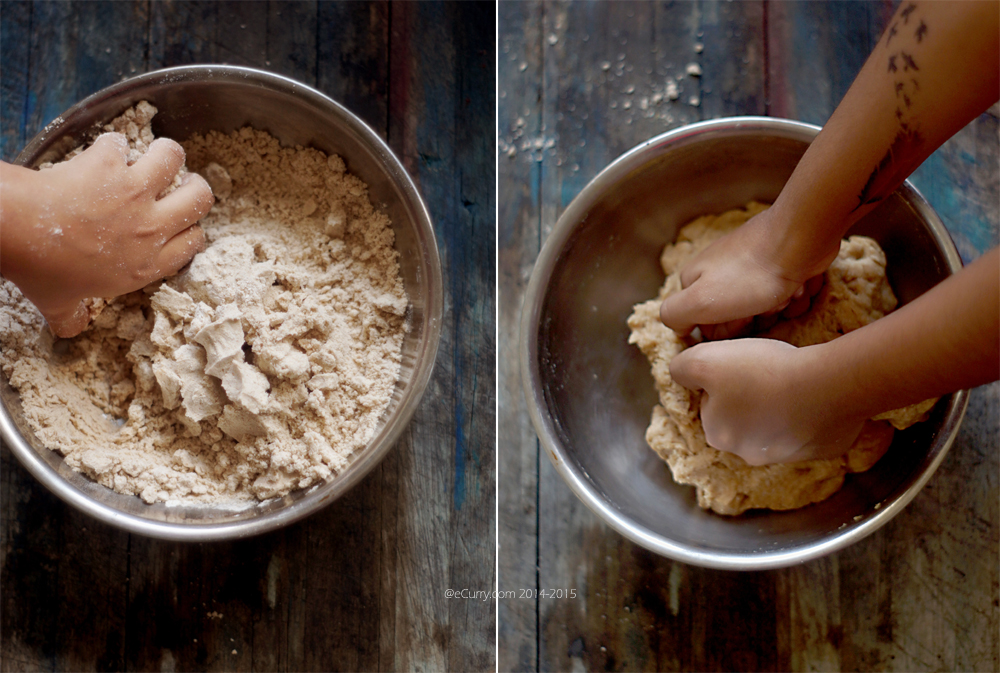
(259, 369)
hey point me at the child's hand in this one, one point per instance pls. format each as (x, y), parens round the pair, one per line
(763, 401)
(93, 227)
(739, 277)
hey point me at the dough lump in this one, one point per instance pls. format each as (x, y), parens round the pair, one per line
(856, 293)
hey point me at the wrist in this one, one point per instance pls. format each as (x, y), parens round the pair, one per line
(821, 371)
(18, 212)
(803, 247)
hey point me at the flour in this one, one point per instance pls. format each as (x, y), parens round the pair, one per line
(259, 369)
(856, 292)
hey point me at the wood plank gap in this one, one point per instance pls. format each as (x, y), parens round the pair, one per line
(267, 34)
(149, 36)
(27, 79)
(388, 97)
(316, 37)
(538, 447)
(128, 600)
(766, 43)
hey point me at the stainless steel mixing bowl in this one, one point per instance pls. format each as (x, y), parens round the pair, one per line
(590, 394)
(197, 99)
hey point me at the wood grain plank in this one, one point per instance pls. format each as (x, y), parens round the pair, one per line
(292, 40)
(732, 80)
(92, 569)
(15, 31)
(519, 69)
(353, 58)
(814, 619)
(30, 557)
(182, 33)
(473, 527)
(342, 603)
(442, 542)
(420, 615)
(59, 37)
(837, 37)
(954, 574)
(385, 499)
(241, 33)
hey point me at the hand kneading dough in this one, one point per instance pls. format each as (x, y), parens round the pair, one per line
(855, 293)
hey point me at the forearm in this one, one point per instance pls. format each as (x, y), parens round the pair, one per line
(933, 71)
(947, 339)
(17, 191)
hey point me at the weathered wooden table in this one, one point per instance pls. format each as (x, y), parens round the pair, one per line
(360, 585)
(579, 84)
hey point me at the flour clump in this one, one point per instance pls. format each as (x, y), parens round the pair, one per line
(262, 367)
(856, 292)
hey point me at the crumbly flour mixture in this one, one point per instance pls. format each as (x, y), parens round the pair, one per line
(856, 293)
(258, 369)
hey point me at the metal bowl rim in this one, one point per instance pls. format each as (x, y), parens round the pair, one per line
(561, 456)
(329, 491)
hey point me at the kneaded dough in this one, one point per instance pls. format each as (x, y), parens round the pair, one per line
(855, 293)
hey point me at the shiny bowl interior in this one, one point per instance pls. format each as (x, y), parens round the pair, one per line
(197, 99)
(590, 394)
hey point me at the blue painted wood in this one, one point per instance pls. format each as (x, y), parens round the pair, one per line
(815, 50)
(441, 103)
(353, 58)
(182, 33)
(359, 585)
(293, 40)
(519, 92)
(66, 63)
(14, 31)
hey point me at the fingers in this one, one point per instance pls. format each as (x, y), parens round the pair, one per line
(678, 311)
(684, 310)
(109, 152)
(109, 142)
(159, 165)
(689, 369)
(815, 284)
(179, 250)
(70, 323)
(727, 330)
(185, 205)
(796, 307)
(690, 273)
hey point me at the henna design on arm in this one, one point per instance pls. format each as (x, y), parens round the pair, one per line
(908, 62)
(901, 157)
(894, 167)
(891, 34)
